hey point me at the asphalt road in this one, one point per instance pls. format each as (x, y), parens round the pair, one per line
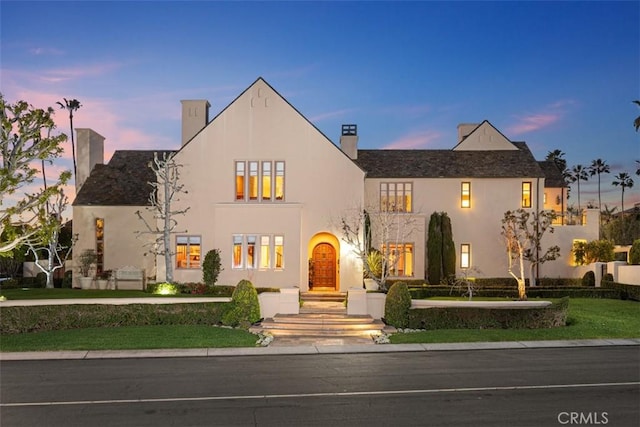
(531, 387)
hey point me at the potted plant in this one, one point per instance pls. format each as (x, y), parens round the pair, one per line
(373, 274)
(87, 258)
(103, 279)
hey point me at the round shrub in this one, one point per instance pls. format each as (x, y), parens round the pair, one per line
(244, 308)
(397, 305)
(589, 279)
(211, 267)
(634, 253)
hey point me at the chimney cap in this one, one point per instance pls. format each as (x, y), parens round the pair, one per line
(349, 130)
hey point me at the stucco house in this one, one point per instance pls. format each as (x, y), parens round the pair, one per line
(266, 187)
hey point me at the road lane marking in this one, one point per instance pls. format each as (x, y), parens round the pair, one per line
(326, 394)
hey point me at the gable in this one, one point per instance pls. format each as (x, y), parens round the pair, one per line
(485, 137)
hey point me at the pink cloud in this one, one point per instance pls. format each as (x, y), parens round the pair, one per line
(532, 123)
(330, 115)
(414, 140)
(38, 51)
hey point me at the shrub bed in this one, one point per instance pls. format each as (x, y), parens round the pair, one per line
(489, 318)
(20, 319)
(537, 292)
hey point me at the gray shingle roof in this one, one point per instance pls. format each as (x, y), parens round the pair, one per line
(121, 182)
(552, 174)
(450, 164)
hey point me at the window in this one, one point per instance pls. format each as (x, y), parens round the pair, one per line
(465, 196)
(188, 251)
(266, 180)
(265, 251)
(253, 180)
(279, 251)
(279, 180)
(396, 196)
(400, 259)
(256, 181)
(99, 245)
(465, 255)
(526, 194)
(251, 251)
(239, 180)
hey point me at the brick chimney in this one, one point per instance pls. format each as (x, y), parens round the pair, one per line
(89, 152)
(349, 141)
(195, 116)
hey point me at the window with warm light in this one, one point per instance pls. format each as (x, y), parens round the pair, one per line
(400, 259)
(396, 196)
(465, 255)
(239, 180)
(526, 194)
(251, 251)
(279, 181)
(257, 181)
(253, 181)
(279, 252)
(265, 251)
(465, 196)
(99, 245)
(188, 251)
(266, 181)
(237, 252)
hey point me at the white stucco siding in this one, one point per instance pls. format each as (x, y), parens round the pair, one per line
(121, 246)
(320, 182)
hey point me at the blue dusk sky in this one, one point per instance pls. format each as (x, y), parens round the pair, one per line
(557, 75)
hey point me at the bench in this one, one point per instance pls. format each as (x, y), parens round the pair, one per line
(130, 278)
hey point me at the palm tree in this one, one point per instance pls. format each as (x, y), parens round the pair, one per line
(598, 167)
(578, 173)
(636, 122)
(557, 157)
(607, 213)
(638, 170)
(71, 105)
(623, 180)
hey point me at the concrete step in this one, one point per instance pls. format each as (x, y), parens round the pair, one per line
(321, 318)
(323, 296)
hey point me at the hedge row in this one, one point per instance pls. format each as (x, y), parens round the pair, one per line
(537, 292)
(489, 318)
(15, 320)
(625, 291)
(499, 282)
(202, 289)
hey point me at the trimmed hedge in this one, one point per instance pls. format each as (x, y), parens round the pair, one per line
(537, 292)
(244, 308)
(21, 319)
(499, 282)
(397, 305)
(625, 291)
(489, 318)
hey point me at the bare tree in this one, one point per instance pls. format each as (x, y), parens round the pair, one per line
(163, 194)
(385, 231)
(45, 245)
(22, 144)
(523, 239)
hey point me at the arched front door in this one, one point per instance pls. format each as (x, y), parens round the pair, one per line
(324, 267)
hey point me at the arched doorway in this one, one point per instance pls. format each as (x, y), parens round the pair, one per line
(323, 267)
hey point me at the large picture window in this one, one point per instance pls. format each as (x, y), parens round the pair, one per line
(259, 181)
(400, 259)
(263, 252)
(396, 196)
(188, 251)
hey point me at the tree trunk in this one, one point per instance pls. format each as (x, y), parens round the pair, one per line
(167, 228)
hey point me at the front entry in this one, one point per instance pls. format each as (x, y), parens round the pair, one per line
(323, 265)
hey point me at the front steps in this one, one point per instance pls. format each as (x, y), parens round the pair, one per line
(322, 320)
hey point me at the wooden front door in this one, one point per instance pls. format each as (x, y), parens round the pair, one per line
(324, 266)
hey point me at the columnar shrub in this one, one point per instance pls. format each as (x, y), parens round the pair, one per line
(448, 248)
(211, 267)
(397, 305)
(634, 253)
(434, 249)
(589, 279)
(244, 308)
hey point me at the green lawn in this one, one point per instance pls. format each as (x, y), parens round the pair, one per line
(588, 319)
(42, 293)
(128, 338)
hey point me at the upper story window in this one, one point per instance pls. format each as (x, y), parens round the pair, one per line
(188, 251)
(396, 196)
(526, 194)
(465, 195)
(259, 181)
(465, 255)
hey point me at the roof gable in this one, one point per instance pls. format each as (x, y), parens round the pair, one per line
(485, 137)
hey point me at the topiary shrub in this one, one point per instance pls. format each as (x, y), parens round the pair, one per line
(244, 308)
(607, 277)
(634, 253)
(397, 305)
(211, 267)
(589, 279)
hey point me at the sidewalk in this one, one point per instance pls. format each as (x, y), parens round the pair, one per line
(306, 349)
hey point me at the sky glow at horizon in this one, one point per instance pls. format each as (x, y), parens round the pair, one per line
(557, 75)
